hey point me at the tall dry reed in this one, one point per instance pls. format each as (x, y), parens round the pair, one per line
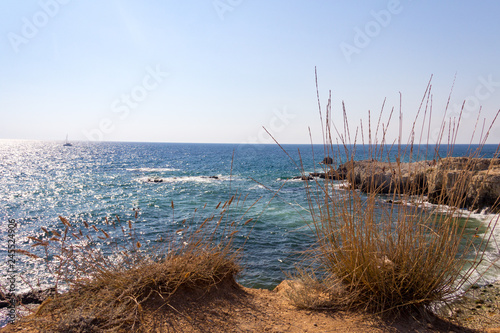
(390, 253)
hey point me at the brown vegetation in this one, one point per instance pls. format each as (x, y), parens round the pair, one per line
(383, 257)
(111, 292)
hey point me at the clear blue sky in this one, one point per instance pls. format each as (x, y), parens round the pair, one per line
(219, 70)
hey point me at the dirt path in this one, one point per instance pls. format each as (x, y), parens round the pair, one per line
(232, 308)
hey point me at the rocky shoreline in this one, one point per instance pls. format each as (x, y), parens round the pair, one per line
(36, 296)
(471, 183)
(479, 308)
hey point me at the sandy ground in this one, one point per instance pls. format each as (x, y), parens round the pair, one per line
(232, 308)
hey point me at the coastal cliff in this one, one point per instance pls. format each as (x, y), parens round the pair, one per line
(472, 183)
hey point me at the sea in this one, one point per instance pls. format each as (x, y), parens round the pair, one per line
(168, 184)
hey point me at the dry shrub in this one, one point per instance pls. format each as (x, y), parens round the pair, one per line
(306, 291)
(109, 292)
(388, 256)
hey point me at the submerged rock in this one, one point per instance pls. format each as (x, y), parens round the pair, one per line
(304, 177)
(317, 174)
(155, 180)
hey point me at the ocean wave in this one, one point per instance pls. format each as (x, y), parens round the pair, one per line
(483, 215)
(341, 185)
(486, 272)
(152, 169)
(296, 179)
(257, 187)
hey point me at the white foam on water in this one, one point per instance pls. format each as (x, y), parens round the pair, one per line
(297, 180)
(153, 169)
(488, 270)
(257, 187)
(341, 185)
(185, 179)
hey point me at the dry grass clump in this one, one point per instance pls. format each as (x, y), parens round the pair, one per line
(387, 256)
(307, 291)
(114, 298)
(110, 292)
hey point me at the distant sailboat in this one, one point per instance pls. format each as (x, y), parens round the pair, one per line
(67, 144)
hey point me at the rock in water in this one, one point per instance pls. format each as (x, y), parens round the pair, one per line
(304, 177)
(317, 174)
(327, 160)
(31, 297)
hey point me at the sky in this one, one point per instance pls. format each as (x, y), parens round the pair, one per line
(218, 71)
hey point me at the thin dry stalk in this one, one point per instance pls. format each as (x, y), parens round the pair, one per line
(110, 291)
(391, 257)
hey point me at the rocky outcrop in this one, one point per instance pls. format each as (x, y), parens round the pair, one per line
(304, 177)
(385, 177)
(317, 174)
(327, 160)
(332, 174)
(31, 297)
(472, 183)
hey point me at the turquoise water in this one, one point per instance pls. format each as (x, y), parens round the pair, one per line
(90, 181)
